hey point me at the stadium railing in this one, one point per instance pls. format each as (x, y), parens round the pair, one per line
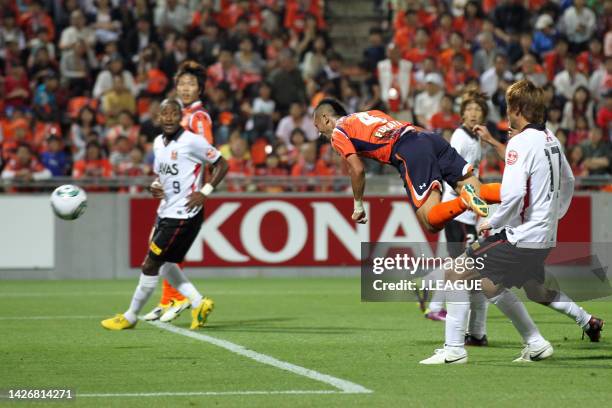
(247, 184)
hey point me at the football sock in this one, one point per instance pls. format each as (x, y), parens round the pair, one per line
(477, 326)
(443, 212)
(563, 304)
(177, 278)
(512, 307)
(144, 290)
(437, 301)
(491, 192)
(169, 293)
(438, 297)
(456, 319)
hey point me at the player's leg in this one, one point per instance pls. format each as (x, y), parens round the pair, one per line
(147, 283)
(560, 302)
(180, 303)
(477, 323)
(167, 296)
(184, 236)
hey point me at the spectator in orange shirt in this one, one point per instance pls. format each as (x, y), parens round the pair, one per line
(307, 166)
(273, 168)
(94, 164)
(20, 134)
(25, 167)
(238, 162)
(446, 118)
(458, 75)
(441, 36)
(420, 49)
(125, 127)
(404, 35)
(470, 23)
(554, 60)
(34, 18)
(457, 46)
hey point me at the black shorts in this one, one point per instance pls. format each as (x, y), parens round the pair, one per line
(458, 237)
(507, 264)
(424, 160)
(173, 237)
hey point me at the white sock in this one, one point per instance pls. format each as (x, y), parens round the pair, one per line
(479, 304)
(456, 320)
(512, 307)
(563, 304)
(437, 301)
(438, 298)
(177, 278)
(144, 290)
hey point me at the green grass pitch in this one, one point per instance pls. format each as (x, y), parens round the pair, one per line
(319, 324)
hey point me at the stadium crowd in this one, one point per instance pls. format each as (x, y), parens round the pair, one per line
(81, 80)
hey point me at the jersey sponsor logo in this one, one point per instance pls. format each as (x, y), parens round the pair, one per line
(512, 157)
(165, 169)
(174, 155)
(155, 249)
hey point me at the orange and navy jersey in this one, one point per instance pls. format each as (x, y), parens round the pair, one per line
(197, 120)
(370, 134)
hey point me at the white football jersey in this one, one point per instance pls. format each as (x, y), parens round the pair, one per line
(469, 148)
(536, 189)
(179, 166)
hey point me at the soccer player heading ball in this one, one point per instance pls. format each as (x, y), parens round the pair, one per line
(424, 160)
(179, 157)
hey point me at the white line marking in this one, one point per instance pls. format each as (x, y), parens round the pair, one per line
(342, 385)
(206, 393)
(212, 293)
(46, 317)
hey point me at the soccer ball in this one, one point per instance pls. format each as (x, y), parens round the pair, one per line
(68, 202)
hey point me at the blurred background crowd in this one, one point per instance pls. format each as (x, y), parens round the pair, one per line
(81, 80)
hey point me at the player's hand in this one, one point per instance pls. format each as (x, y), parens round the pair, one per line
(359, 217)
(485, 226)
(484, 134)
(195, 200)
(156, 189)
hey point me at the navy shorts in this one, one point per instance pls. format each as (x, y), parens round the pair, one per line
(506, 264)
(424, 160)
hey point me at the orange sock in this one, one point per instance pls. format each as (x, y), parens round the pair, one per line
(442, 213)
(169, 293)
(491, 192)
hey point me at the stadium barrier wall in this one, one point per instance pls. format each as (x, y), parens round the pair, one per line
(243, 235)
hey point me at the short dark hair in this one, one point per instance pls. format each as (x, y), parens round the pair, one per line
(195, 69)
(475, 96)
(334, 105)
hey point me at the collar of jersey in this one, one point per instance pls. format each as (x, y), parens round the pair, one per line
(536, 126)
(174, 137)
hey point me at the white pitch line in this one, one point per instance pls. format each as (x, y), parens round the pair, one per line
(343, 385)
(206, 393)
(46, 317)
(213, 293)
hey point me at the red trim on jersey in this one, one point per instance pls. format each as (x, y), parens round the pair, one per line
(526, 200)
(196, 173)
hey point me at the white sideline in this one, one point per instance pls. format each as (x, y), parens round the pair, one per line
(343, 385)
(213, 293)
(204, 393)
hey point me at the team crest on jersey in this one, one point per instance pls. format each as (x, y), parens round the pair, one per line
(512, 157)
(174, 155)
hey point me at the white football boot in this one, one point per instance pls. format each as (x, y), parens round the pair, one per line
(445, 356)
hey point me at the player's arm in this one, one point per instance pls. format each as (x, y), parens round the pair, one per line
(566, 186)
(342, 144)
(206, 153)
(486, 136)
(513, 188)
(357, 172)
